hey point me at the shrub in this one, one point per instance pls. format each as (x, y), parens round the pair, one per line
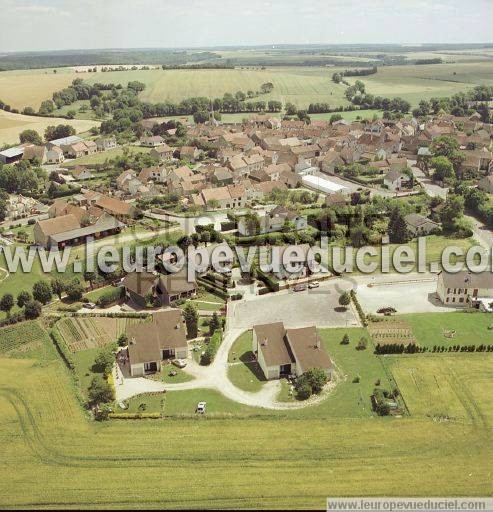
(303, 391)
(313, 380)
(32, 309)
(109, 297)
(42, 292)
(105, 359)
(210, 351)
(100, 391)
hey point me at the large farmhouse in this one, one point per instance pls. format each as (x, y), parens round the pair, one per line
(58, 232)
(464, 288)
(282, 352)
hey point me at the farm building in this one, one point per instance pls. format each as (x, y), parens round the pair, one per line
(419, 225)
(149, 343)
(282, 352)
(323, 185)
(11, 155)
(66, 230)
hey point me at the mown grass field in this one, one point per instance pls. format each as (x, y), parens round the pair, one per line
(455, 387)
(470, 328)
(11, 125)
(53, 457)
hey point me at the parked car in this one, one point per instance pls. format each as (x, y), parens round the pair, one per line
(90, 305)
(313, 284)
(180, 363)
(300, 288)
(201, 407)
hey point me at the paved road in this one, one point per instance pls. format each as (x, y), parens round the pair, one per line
(431, 188)
(482, 234)
(187, 224)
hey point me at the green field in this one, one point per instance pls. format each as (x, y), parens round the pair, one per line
(471, 328)
(455, 387)
(298, 85)
(48, 444)
(415, 83)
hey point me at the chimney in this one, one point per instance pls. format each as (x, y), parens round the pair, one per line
(317, 342)
(264, 342)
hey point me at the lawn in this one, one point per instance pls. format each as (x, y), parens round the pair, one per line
(456, 387)
(471, 328)
(103, 156)
(48, 444)
(350, 398)
(244, 372)
(435, 245)
(84, 366)
(181, 375)
(11, 125)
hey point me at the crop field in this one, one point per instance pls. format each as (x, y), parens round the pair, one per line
(305, 85)
(298, 85)
(454, 387)
(80, 333)
(28, 88)
(47, 444)
(24, 340)
(11, 125)
(415, 83)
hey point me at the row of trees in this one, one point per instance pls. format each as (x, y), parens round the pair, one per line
(460, 104)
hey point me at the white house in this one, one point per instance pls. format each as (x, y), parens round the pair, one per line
(464, 288)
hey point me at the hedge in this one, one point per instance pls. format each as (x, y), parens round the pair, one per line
(208, 286)
(211, 350)
(359, 309)
(110, 297)
(271, 283)
(134, 416)
(62, 349)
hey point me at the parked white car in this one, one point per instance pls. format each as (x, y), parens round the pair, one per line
(201, 407)
(180, 363)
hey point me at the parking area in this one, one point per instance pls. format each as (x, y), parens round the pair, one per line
(411, 294)
(318, 307)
